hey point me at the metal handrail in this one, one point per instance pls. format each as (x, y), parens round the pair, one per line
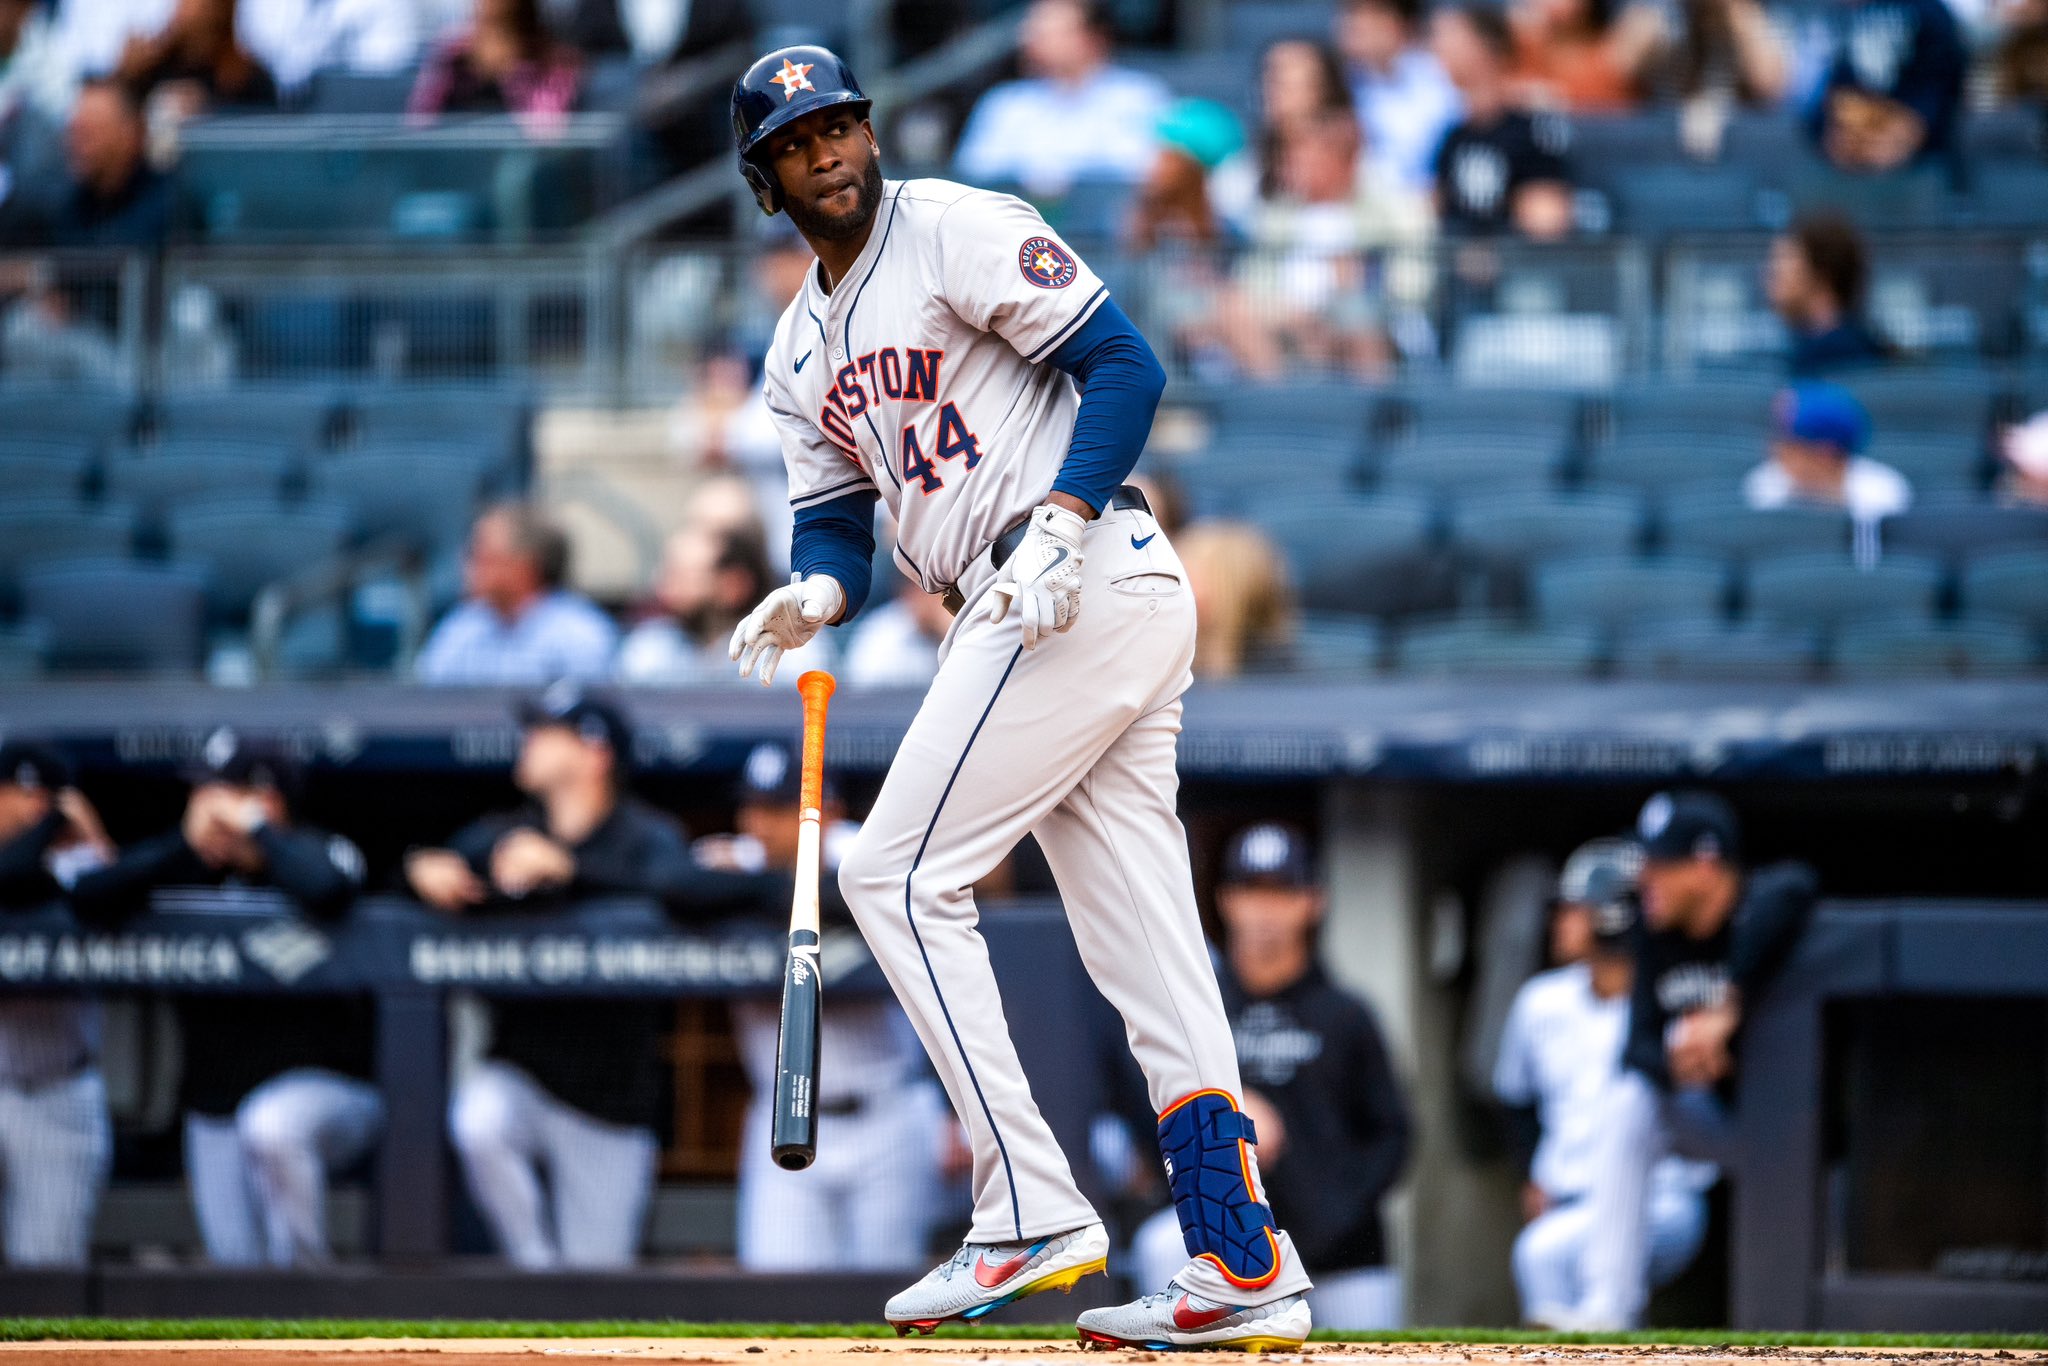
(328, 581)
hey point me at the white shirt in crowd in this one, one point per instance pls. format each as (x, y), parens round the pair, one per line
(296, 38)
(1405, 114)
(889, 650)
(1870, 492)
(1044, 135)
(560, 635)
(1559, 1050)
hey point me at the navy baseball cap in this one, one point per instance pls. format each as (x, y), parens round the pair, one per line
(230, 757)
(33, 767)
(1600, 870)
(1825, 414)
(1614, 916)
(594, 720)
(1269, 853)
(1689, 824)
(771, 776)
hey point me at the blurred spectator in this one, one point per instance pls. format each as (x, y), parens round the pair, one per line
(46, 338)
(1559, 1052)
(1585, 56)
(1196, 138)
(1073, 116)
(1340, 245)
(1244, 609)
(1894, 85)
(197, 62)
(36, 75)
(555, 1126)
(506, 63)
(55, 1142)
(93, 33)
(867, 1202)
(116, 199)
(1814, 460)
(896, 645)
(1500, 168)
(1726, 52)
(276, 1092)
(1711, 939)
(1332, 1125)
(2024, 452)
(1405, 102)
(1816, 279)
(518, 623)
(298, 39)
(711, 577)
(1571, 916)
(2022, 56)
(685, 52)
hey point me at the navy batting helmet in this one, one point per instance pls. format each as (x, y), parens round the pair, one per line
(778, 89)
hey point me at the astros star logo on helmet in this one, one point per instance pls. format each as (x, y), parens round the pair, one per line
(793, 77)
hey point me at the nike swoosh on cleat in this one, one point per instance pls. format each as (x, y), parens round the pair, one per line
(1187, 1318)
(798, 368)
(988, 1276)
(1137, 544)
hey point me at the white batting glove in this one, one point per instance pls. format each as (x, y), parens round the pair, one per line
(1043, 577)
(785, 620)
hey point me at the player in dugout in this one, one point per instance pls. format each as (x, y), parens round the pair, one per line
(1713, 937)
(276, 1092)
(555, 1127)
(1333, 1127)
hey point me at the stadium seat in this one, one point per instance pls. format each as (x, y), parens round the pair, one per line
(1497, 537)
(1482, 649)
(300, 419)
(1711, 650)
(427, 499)
(1677, 197)
(1223, 481)
(1439, 465)
(1617, 592)
(1250, 26)
(1957, 402)
(355, 92)
(246, 544)
(1721, 525)
(1338, 411)
(1691, 409)
(2008, 194)
(1932, 463)
(1957, 526)
(95, 416)
(1825, 591)
(44, 469)
(33, 530)
(2012, 585)
(23, 651)
(1361, 557)
(1446, 410)
(1660, 463)
(1970, 649)
(156, 481)
(118, 615)
(1336, 647)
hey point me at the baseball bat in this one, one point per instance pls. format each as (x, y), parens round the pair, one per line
(793, 1133)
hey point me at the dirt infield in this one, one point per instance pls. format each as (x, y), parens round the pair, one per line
(936, 1352)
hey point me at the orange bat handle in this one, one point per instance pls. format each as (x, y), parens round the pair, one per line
(817, 687)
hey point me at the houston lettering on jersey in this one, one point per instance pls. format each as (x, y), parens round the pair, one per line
(907, 374)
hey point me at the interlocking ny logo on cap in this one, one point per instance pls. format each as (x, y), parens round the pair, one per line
(793, 77)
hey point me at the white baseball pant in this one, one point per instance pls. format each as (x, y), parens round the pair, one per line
(506, 1129)
(259, 1179)
(1551, 1250)
(55, 1147)
(1073, 742)
(1640, 1124)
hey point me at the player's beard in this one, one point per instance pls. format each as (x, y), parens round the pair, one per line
(831, 227)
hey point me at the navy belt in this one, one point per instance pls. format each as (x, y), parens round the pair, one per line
(1128, 497)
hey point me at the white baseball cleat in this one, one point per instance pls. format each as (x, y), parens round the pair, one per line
(1176, 1318)
(983, 1277)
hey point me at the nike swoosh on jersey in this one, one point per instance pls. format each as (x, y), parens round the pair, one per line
(988, 1276)
(1188, 1318)
(1137, 544)
(798, 368)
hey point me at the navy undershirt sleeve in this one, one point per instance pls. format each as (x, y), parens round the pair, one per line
(838, 538)
(1121, 382)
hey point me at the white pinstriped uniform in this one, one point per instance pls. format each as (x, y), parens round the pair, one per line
(921, 375)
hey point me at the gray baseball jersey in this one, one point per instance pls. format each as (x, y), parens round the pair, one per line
(922, 375)
(919, 375)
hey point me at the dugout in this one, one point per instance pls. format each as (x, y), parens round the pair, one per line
(1899, 1095)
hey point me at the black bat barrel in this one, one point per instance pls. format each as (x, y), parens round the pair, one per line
(793, 1132)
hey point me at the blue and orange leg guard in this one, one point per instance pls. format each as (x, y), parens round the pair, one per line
(1207, 1142)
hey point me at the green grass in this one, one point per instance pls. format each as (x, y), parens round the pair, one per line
(186, 1330)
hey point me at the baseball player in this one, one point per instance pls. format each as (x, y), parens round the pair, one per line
(867, 1202)
(55, 1143)
(1711, 939)
(951, 356)
(1559, 1053)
